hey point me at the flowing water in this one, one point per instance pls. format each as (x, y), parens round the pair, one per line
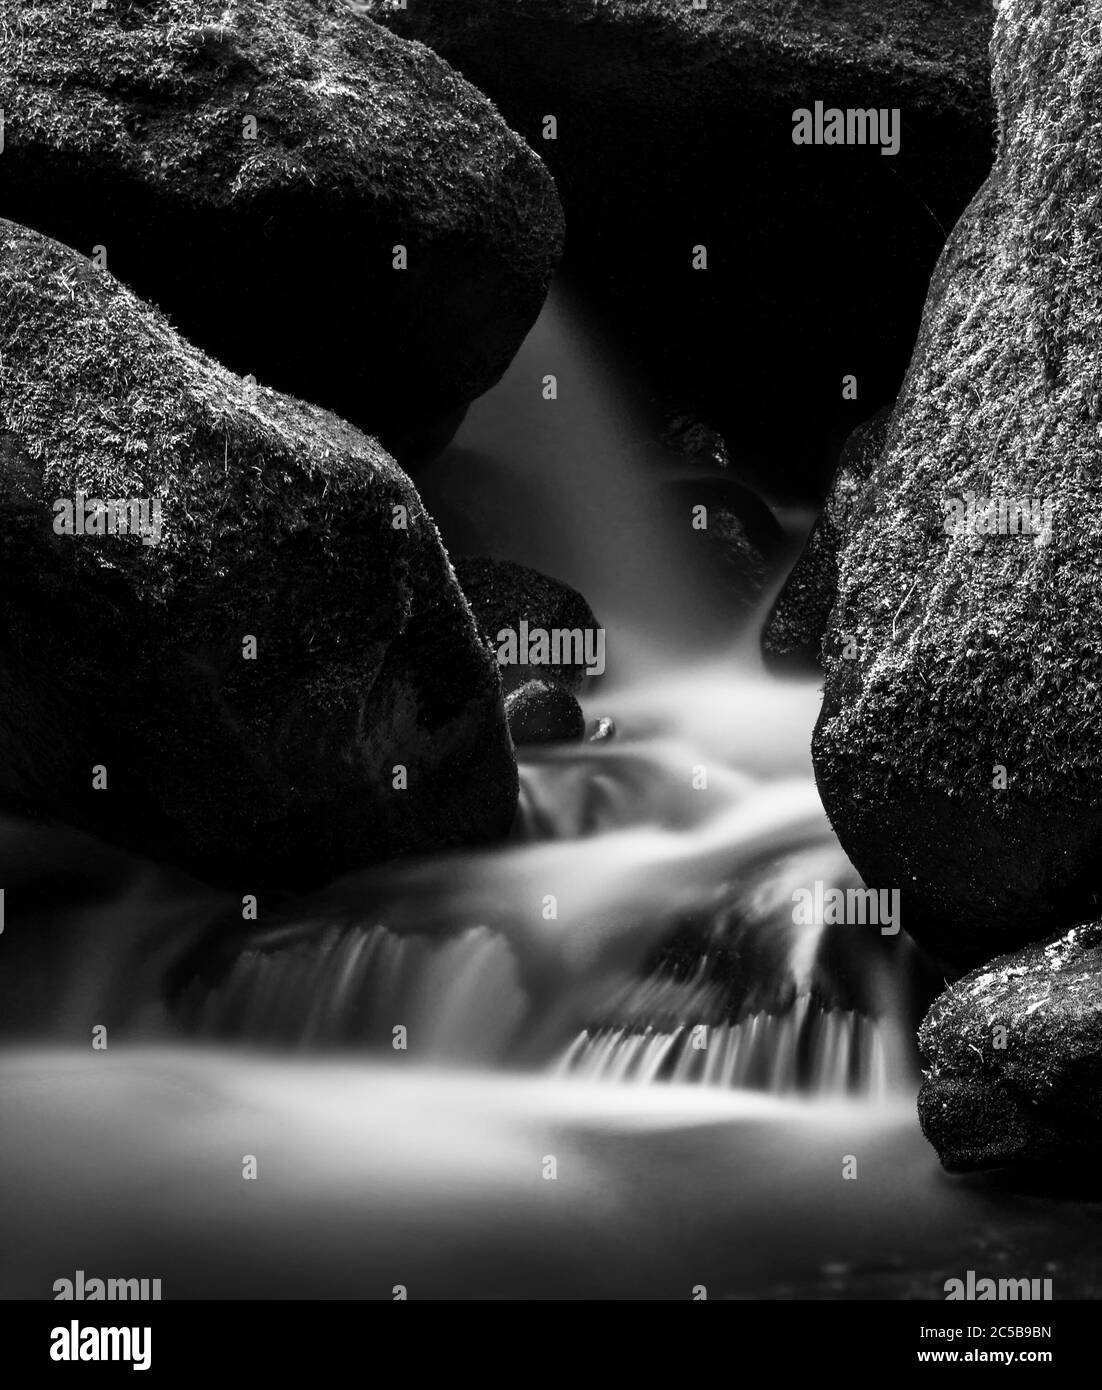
(600, 1060)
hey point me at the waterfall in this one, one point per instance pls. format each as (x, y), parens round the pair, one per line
(829, 1053)
(638, 925)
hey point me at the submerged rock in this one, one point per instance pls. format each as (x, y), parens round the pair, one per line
(793, 634)
(543, 711)
(235, 674)
(959, 753)
(1013, 1059)
(256, 167)
(504, 596)
(695, 440)
(731, 537)
(669, 130)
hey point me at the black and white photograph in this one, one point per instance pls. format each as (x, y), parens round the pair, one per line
(550, 673)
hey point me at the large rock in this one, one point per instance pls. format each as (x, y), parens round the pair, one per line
(1013, 1059)
(675, 130)
(127, 126)
(278, 522)
(793, 634)
(959, 756)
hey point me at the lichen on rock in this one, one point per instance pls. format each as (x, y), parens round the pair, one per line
(959, 755)
(254, 166)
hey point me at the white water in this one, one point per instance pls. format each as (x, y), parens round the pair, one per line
(528, 1034)
(647, 896)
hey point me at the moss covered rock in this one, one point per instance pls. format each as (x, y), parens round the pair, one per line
(674, 130)
(233, 684)
(959, 755)
(793, 634)
(1013, 1059)
(251, 166)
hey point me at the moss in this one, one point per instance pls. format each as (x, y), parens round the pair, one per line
(278, 522)
(330, 93)
(934, 51)
(1027, 1094)
(104, 398)
(125, 127)
(978, 651)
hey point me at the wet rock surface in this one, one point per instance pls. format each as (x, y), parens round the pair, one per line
(543, 711)
(1013, 1059)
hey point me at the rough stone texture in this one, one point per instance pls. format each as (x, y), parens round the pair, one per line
(675, 130)
(278, 522)
(543, 711)
(125, 128)
(502, 594)
(985, 651)
(793, 634)
(1039, 1097)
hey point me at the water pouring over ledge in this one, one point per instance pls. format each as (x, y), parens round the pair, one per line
(639, 927)
(527, 1035)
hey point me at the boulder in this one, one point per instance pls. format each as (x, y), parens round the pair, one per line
(503, 595)
(251, 167)
(1012, 1059)
(959, 751)
(230, 674)
(793, 633)
(543, 711)
(673, 130)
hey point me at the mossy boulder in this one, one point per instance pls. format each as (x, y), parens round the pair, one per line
(793, 634)
(674, 130)
(234, 688)
(959, 755)
(130, 125)
(1012, 1059)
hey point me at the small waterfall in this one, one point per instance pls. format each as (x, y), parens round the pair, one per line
(808, 1050)
(439, 999)
(644, 899)
(669, 954)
